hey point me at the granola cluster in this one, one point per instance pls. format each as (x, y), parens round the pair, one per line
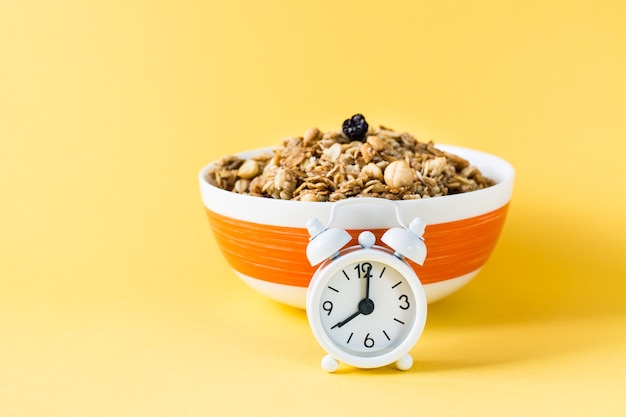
(330, 167)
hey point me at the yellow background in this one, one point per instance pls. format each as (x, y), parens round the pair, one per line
(114, 298)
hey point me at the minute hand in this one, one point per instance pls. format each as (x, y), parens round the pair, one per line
(368, 275)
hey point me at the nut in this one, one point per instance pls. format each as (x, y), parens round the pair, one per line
(284, 180)
(241, 186)
(332, 153)
(372, 171)
(399, 174)
(434, 167)
(367, 152)
(311, 135)
(249, 169)
(375, 142)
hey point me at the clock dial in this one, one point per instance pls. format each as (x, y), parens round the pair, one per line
(367, 308)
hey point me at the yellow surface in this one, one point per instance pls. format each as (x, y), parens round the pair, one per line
(115, 300)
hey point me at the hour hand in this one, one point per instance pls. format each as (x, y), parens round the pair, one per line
(366, 306)
(344, 322)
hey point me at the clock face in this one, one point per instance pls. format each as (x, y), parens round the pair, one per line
(368, 306)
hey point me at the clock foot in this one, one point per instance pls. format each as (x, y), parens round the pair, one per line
(405, 362)
(329, 364)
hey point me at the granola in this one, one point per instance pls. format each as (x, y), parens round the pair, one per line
(330, 167)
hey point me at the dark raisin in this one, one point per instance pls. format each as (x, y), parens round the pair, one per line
(355, 128)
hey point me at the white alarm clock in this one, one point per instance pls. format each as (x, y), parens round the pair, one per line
(365, 304)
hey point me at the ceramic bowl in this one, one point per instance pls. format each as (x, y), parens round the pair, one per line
(264, 239)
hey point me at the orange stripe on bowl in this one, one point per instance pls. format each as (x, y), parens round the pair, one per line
(278, 254)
